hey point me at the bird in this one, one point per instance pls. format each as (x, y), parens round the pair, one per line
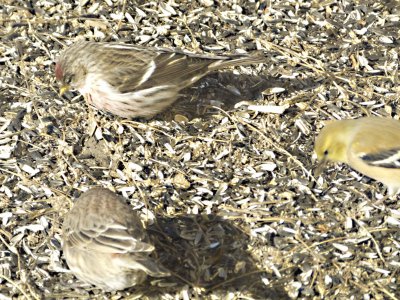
(105, 243)
(369, 145)
(135, 81)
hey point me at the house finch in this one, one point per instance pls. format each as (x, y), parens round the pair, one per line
(105, 243)
(134, 81)
(369, 145)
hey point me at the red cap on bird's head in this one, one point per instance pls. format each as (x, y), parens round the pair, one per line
(59, 72)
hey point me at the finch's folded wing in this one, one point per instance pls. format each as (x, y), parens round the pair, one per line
(389, 158)
(113, 238)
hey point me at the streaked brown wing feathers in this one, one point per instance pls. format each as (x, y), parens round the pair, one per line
(170, 69)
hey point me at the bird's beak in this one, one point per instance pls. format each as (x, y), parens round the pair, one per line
(64, 88)
(320, 166)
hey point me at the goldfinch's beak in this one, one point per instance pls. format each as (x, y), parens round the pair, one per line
(64, 88)
(320, 166)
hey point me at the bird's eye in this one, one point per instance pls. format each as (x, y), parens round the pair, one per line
(326, 152)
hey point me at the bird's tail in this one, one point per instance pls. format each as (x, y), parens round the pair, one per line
(147, 265)
(238, 60)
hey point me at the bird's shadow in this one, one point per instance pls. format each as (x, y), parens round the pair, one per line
(223, 90)
(210, 253)
(216, 90)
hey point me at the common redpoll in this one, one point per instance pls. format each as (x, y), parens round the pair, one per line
(135, 81)
(105, 243)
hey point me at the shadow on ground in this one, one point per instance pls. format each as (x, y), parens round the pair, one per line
(223, 90)
(210, 253)
(217, 90)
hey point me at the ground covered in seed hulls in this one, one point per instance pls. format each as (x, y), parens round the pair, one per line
(224, 179)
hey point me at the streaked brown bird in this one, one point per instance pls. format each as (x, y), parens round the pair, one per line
(105, 243)
(135, 81)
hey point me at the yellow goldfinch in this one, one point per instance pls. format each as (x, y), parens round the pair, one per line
(369, 145)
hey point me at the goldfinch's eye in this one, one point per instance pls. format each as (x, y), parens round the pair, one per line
(326, 152)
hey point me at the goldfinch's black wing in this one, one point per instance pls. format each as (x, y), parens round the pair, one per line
(389, 158)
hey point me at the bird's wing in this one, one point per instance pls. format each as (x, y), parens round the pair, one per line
(378, 143)
(162, 68)
(144, 263)
(386, 158)
(111, 239)
(101, 221)
(136, 67)
(104, 236)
